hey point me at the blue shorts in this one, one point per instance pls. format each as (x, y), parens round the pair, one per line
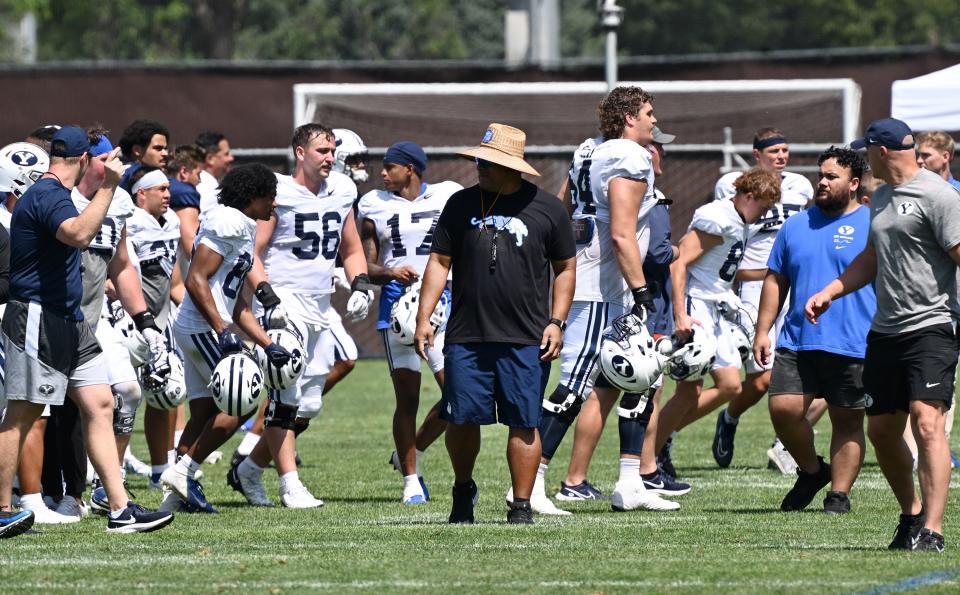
(489, 382)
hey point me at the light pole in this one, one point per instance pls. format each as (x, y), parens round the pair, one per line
(611, 16)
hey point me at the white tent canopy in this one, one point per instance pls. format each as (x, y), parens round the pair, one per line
(929, 102)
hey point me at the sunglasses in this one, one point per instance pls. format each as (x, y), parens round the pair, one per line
(483, 162)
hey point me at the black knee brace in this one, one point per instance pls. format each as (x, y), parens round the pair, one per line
(300, 425)
(279, 415)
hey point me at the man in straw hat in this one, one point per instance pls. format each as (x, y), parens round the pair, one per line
(501, 238)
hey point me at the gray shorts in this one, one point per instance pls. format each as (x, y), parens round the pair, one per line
(821, 374)
(45, 354)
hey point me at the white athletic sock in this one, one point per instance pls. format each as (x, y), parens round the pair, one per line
(115, 514)
(189, 466)
(154, 469)
(729, 418)
(419, 454)
(172, 457)
(542, 470)
(248, 467)
(411, 485)
(288, 481)
(629, 469)
(176, 437)
(249, 441)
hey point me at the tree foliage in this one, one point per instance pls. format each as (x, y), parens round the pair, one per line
(174, 30)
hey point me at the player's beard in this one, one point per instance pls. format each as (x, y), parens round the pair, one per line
(832, 204)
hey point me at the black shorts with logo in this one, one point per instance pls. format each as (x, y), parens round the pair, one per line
(836, 378)
(914, 366)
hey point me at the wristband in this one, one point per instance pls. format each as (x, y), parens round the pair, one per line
(266, 296)
(145, 320)
(361, 283)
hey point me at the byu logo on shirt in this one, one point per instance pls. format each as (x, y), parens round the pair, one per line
(843, 237)
(905, 208)
(500, 223)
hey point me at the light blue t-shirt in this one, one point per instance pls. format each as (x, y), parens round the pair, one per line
(812, 250)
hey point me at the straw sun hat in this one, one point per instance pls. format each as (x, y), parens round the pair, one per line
(502, 145)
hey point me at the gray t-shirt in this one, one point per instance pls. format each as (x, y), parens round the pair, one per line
(912, 227)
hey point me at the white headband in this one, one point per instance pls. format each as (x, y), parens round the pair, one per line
(150, 180)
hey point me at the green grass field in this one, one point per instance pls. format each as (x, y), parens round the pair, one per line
(728, 536)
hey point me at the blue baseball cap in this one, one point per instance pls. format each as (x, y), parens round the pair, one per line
(407, 152)
(888, 132)
(69, 141)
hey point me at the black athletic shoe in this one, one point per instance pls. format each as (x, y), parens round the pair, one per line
(836, 503)
(520, 513)
(237, 458)
(581, 491)
(928, 541)
(137, 519)
(664, 460)
(659, 482)
(464, 499)
(806, 487)
(908, 529)
(723, 440)
(15, 523)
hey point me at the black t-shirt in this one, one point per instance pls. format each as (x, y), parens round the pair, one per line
(507, 302)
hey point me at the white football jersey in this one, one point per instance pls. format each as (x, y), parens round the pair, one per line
(580, 191)
(405, 227)
(599, 278)
(711, 276)
(795, 193)
(209, 190)
(155, 238)
(120, 210)
(231, 234)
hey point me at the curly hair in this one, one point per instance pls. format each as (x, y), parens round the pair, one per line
(139, 133)
(246, 183)
(763, 183)
(847, 158)
(616, 106)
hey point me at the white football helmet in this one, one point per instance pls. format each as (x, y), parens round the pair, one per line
(694, 359)
(628, 357)
(403, 314)
(739, 320)
(349, 144)
(21, 164)
(287, 375)
(174, 391)
(237, 384)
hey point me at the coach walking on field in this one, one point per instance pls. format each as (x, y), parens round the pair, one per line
(501, 238)
(911, 254)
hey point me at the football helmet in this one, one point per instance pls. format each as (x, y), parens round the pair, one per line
(21, 164)
(174, 390)
(693, 359)
(350, 147)
(403, 314)
(628, 357)
(237, 384)
(739, 320)
(286, 376)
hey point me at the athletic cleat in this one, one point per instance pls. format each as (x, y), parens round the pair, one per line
(300, 497)
(423, 486)
(395, 462)
(137, 519)
(415, 499)
(631, 495)
(582, 491)
(836, 503)
(520, 513)
(197, 498)
(99, 503)
(806, 488)
(928, 541)
(189, 490)
(213, 458)
(134, 465)
(43, 515)
(173, 503)
(465, 498)
(660, 483)
(907, 531)
(779, 458)
(664, 460)
(539, 502)
(15, 523)
(250, 487)
(70, 506)
(723, 437)
(236, 458)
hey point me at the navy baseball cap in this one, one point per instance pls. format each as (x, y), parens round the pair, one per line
(888, 132)
(69, 141)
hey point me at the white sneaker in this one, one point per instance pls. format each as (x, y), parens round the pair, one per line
(42, 514)
(91, 473)
(134, 465)
(632, 495)
(300, 497)
(539, 501)
(176, 480)
(69, 506)
(252, 489)
(213, 458)
(782, 459)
